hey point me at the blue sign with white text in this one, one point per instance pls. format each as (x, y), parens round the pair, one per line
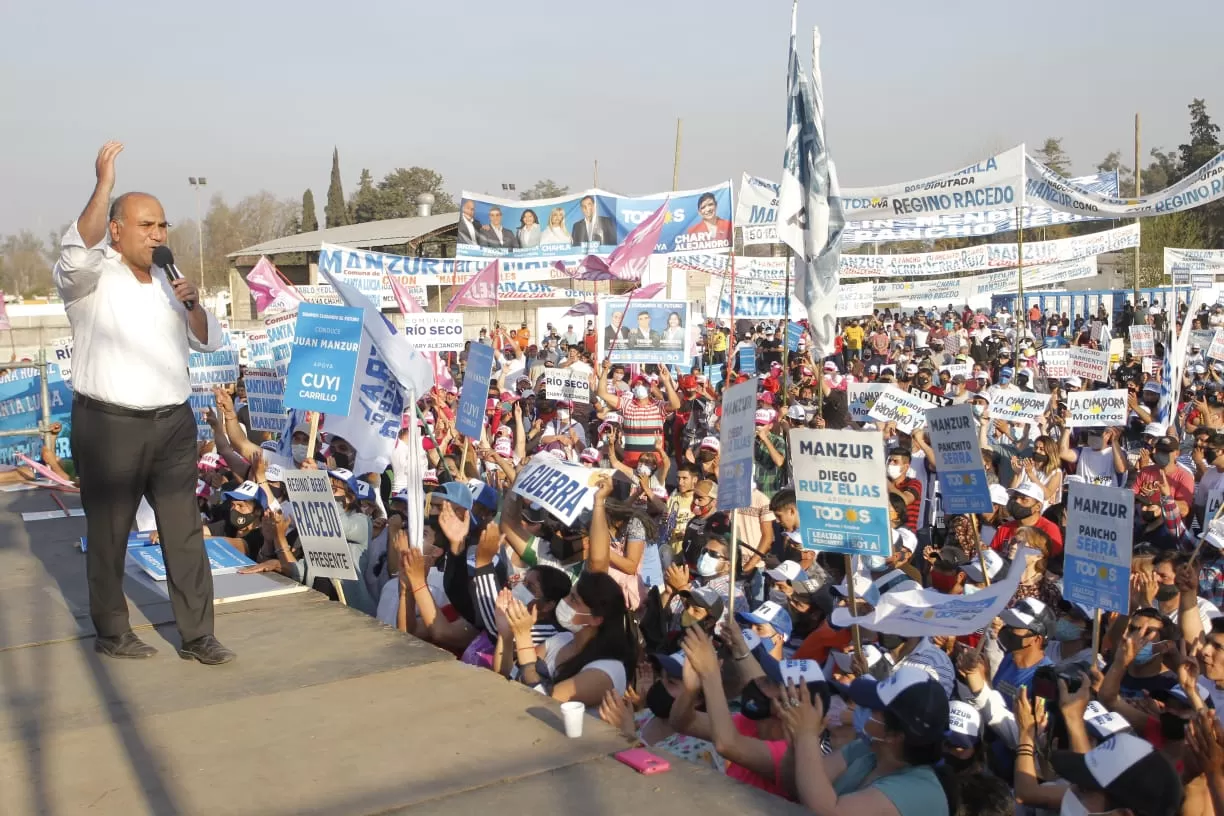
(1097, 552)
(794, 333)
(747, 361)
(475, 391)
(323, 365)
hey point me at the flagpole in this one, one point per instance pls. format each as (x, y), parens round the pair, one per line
(1020, 269)
(786, 294)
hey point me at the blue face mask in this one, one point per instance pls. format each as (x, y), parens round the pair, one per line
(875, 563)
(1067, 630)
(1145, 654)
(861, 715)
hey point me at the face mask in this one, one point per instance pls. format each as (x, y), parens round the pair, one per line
(700, 510)
(565, 616)
(1010, 641)
(523, 594)
(979, 410)
(659, 701)
(644, 470)
(894, 472)
(1019, 511)
(1017, 434)
(943, 583)
(299, 453)
(640, 392)
(875, 563)
(1161, 459)
(862, 715)
(239, 520)
(1067, 630)
(754, 703)
(707, 565)
(1172, 727)
(1096, 442)
(779, 597)
(889, 642)
(343, 460)
(948, 326)
(563, 416)
(1167, 592)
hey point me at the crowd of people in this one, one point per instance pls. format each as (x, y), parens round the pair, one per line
(736, 660)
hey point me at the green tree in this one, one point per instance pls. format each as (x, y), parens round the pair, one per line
(25, 268)
(1177, 229)
(336, 212)
(544, 188)
(363, 206)
(1054, 157)
(1162, 171)
(310, 221)
(1204, 143)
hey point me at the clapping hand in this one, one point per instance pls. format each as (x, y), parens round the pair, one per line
(521, 620)
(617, 711)
(801, 712)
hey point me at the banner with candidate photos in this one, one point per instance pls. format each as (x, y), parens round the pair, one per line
(643, 331)
(591, 222)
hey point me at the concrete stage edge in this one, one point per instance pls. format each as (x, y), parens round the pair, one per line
(326, 711)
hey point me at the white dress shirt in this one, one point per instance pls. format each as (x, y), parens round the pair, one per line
(131, 341)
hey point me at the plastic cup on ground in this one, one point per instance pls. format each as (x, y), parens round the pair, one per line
(573, 712)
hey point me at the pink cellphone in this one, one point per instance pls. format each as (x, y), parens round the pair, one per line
(642, 761)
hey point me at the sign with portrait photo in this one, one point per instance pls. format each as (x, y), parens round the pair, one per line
(643, 331)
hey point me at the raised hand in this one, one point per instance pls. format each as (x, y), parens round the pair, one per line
(104, 165)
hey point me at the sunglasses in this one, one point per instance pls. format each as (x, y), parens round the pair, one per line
(713, 554)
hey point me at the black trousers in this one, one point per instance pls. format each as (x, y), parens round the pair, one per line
(119, 459)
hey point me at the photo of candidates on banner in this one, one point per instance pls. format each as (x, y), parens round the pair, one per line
(839, 489)
(591, 222)
(650, 331)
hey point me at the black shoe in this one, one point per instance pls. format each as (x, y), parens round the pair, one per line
(126, 645)
(208, 650)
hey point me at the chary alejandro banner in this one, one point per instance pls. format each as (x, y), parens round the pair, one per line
(756, 215)
(592, 221)
(1200, 187)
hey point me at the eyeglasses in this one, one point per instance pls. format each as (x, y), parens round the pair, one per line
(714, 554)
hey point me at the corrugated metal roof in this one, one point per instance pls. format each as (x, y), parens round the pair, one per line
(370, 234)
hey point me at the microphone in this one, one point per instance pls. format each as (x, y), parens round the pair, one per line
(163, 257)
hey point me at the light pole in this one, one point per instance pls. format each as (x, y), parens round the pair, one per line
(197, 183)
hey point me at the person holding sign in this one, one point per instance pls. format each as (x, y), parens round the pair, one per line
(133, 430)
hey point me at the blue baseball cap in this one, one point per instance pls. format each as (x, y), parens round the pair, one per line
(769, 613)
(247, 491)
(483, 494)
(455, 493)
(1005, 373)
(363, 490)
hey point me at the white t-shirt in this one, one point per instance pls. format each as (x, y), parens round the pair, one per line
(1097, 467)
(399, 466)
(613, 668)
(1212, 481)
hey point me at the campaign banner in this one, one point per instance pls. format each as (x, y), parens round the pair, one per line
(646, 331)
(280, 329)
(564, 490)
(737, 442)
(953, 432)
(259, 351)
(322, 368)
(1202, 338)
(895, 405)
(934, 226)
(714, 374)
(794, 334)
(265, 399)
(566, 384)
(222, 558)
(590, 222)
(994, 183)
(21, 408)
(1093, 409)
(1097, 556)
(211, 368)
(989, 256)
(1018, 406)
(201, 400)
(529, 290)
(1201, 187)
(769, 272)
(931, 613)
(840, 491)
(746, 360)
(1057, 362)
(1143, 341)
(318, 524)
(958, 370)
(434, 331)
(861, 397)
(61, 355)
(325, 295)
(1216, 349)
(372, 419)
(756, 211)
(754, 305)
(937, 400)
(475, 391)
(1193, 267)
(913, 293)
(1090, 364)
(855, 299)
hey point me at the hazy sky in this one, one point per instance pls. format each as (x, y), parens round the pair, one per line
(254, 95)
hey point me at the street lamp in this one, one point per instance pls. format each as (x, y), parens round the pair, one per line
(197, 183)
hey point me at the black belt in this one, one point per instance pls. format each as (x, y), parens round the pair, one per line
(119, 410)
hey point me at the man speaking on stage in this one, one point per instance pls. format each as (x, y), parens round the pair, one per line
(133, 431)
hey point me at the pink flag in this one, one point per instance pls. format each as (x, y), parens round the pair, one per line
(270, 289)
(581, 310)
(408, 305)
(629, 260)
(649, 291)
(5, 325)
(480, 290)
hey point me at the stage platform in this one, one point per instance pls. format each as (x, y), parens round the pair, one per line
(326, 711)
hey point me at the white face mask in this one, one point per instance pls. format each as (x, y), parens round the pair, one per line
(707, 565)
(640, 392)
(565, 616)
(299, 453)
(644, 470)
(894, 472)
(563, 416)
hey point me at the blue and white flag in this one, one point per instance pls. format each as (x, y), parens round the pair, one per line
(810, 214)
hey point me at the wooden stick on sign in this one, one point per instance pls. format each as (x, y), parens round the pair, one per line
(856, 634)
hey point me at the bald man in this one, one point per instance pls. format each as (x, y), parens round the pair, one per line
(133, 431)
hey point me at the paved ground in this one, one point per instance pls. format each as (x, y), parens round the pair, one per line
(326, 711)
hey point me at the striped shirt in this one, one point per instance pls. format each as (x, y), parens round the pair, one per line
(641, 423)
